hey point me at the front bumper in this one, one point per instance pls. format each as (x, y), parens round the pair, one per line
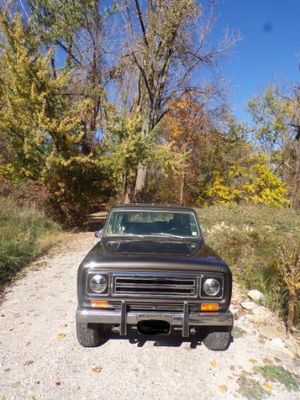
(183, 319)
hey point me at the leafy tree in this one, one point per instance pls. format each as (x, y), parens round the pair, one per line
(126, 147)
(270, 116)
(276, 127)
(189, 129)
(249, 180)
(41, 122)
(166, 42)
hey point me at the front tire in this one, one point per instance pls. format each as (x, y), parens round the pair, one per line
(90, 335)
(218, 340)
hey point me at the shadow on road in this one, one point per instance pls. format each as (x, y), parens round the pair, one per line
(167, 340)
(174, 340)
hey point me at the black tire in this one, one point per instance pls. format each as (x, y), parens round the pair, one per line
(90, 335)
(217, 339)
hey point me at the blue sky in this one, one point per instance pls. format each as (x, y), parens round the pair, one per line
(270, 48)
(269, 51)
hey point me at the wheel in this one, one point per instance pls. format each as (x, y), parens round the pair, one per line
(218, 339)
(90, 335)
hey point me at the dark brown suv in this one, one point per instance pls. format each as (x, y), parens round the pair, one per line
(152, 271)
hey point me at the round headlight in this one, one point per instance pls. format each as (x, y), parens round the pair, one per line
(211, 287)
(98, 283)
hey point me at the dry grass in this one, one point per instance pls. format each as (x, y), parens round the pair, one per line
(249, 239)
(25, 233)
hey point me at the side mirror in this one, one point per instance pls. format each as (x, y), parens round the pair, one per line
(98, 234)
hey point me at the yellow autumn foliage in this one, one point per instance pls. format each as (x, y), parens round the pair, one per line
(250, 182)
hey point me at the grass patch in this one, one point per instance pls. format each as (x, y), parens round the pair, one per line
(250, 388)
(25, 233)
(248, 237)
(279, 374)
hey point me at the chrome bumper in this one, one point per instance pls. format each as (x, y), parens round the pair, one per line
(183, 319)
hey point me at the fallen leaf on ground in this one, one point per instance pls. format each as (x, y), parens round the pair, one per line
(213, 364)
(222, 388)
(29, 362)
(57, 383)
(253, 360)
(97, 369)
(61, 336)
(268, 387)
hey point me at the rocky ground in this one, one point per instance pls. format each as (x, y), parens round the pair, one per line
(41, 359)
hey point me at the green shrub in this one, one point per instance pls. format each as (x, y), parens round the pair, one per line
(25, 233)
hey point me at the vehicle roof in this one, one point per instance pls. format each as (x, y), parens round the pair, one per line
(153, 206)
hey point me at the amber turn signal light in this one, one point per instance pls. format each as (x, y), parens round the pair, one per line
(99, 303)
(209, 307)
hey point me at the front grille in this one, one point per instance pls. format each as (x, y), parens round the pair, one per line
(140, 285)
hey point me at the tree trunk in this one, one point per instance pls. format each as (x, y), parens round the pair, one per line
(129, 191)
(181, 192)
(140, 181)
(296, 186)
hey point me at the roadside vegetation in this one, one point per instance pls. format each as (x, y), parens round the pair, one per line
(262, 245)
(99, 104)
(25, 233)
(276, 373)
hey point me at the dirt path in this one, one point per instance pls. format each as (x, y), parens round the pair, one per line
(41, 359)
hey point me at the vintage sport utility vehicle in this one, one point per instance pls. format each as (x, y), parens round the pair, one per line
(151, 271)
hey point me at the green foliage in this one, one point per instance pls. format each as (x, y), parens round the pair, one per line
(250, 388)
(43, 126)
(276, 130)
(35, 113)
(24, 235)
(276, 373)
(58, 129)
(270, 114)
(238, 174)
(59, 19)
(127, 147)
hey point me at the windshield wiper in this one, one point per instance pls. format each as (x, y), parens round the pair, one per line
(132, 235)
(151, 236)
(171, 235)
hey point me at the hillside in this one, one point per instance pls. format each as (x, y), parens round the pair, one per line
(253, 239)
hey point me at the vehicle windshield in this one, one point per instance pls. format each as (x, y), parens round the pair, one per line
(153, 223)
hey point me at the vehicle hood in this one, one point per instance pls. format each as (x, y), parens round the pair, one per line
(159, 253)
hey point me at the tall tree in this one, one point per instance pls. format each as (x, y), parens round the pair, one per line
(189, 128)
(41, 122)
(276, 117)
(166, 42)
(76, 31)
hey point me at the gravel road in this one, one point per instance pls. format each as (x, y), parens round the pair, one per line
(41, 359)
